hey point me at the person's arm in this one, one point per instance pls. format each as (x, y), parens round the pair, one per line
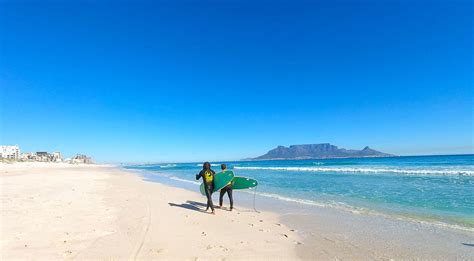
(198, 176)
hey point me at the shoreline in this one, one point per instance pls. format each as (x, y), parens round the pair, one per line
(103, 211)
(273, 199)
(378, 235)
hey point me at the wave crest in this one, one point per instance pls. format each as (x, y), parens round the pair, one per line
(365, 170)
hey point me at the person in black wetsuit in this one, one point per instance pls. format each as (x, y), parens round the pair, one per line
(207, 175)
(227, 189)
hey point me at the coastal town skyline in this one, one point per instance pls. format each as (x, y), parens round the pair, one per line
(13, 153)
(181, 82)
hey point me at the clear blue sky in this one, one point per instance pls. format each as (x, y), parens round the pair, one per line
(213, 80)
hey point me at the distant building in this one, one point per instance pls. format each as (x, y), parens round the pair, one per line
(10, 152)
(43, 156)
(27, 156)
(57, 156)
(80, 158)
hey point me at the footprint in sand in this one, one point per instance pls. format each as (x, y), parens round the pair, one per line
(224, 248)
(155, 251)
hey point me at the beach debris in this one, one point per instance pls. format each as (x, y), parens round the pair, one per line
(203, 234)
(285, 235)
(278, 224)
(26, 245)
(261, 220)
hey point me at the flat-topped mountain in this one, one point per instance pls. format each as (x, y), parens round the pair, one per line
(318, 151)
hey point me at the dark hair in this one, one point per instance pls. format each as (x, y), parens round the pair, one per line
(223, 166)
(206, 166)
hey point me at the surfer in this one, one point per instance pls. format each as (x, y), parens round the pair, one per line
(207, 175)
(227, 189)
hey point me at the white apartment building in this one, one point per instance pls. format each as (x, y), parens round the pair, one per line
(57, 156)
(9, 152)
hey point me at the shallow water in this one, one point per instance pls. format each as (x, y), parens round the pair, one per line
(435, 189)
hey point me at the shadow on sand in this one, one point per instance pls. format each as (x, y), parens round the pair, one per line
(191, 205)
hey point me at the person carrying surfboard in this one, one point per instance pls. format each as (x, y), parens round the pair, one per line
(207, 175)
(227, 189)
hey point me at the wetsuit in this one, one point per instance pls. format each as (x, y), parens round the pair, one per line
(208, 178)
(227, 189)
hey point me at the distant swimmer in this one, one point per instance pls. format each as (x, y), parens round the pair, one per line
(207, 175)
(227, 189)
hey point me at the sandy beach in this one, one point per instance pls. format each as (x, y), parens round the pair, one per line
(62, 211)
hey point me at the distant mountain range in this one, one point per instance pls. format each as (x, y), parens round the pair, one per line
(318, 151)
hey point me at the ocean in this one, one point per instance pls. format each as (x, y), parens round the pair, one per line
(431, 189)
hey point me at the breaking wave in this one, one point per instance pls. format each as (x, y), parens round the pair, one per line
(167, 166)
(367, 170)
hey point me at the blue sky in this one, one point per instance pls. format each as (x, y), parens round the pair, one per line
(213, 80)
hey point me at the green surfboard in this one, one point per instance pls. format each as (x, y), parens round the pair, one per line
(243, 183)
(221, 179)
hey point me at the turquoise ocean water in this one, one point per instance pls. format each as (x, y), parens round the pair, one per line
(435, 189)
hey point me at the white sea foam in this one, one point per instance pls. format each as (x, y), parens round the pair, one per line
(212, 164)
(184, 180)
(368, 170)
(167, 166)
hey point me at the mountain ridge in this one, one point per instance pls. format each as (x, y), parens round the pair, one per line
(318, 151)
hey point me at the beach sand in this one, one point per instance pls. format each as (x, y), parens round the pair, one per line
(62, 211)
